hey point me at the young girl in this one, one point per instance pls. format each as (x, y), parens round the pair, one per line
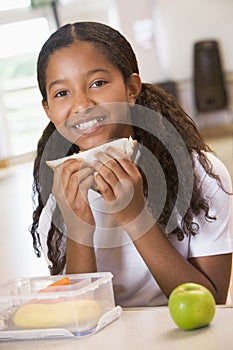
(157, 221)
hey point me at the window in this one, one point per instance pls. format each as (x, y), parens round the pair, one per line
(13, 4)
(20, 96)
(23, 31)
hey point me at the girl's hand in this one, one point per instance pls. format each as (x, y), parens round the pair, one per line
(71, 183)
(120, 183)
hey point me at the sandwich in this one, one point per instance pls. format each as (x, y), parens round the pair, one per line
(127, 146)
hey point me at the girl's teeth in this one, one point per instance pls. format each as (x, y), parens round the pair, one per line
(89, 124)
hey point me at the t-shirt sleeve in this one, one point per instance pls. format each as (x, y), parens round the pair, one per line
(214, 236)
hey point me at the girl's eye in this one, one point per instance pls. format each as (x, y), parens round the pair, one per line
(98, 83)
(61, 93)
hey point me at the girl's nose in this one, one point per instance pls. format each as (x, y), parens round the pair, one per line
(82, 102)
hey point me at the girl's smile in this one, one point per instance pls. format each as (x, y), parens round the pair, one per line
(87, 98)
(89, 124)
(89, 121)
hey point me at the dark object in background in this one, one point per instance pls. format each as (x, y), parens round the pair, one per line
(170, 87)
(209, 85)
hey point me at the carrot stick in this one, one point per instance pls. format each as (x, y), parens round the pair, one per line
(62, 282)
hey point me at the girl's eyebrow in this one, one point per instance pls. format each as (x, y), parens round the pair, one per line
(93, 71)
(55, 82)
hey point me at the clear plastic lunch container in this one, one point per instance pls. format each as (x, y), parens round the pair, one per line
(32, 308)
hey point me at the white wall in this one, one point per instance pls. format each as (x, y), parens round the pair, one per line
(185, 21)
(178, 24)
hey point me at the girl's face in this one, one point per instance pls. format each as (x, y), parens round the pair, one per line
(87, 99)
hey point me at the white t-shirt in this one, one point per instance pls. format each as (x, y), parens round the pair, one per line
(133, 283)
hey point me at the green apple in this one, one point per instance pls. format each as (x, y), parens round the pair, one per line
(191, 306)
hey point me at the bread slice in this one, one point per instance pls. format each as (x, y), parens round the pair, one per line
(83, 314)
(125, 145)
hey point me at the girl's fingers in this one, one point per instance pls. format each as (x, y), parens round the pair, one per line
(106, 164)
(104, 188)
(85, 185)
(79, 182)
(108, 183)
(105, 180)
(69, 175)
(116, 161)
(65, 170)
(113, 152)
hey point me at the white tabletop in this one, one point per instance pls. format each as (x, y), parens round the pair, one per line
(145, 328)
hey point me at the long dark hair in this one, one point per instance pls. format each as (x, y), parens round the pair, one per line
(52, 145)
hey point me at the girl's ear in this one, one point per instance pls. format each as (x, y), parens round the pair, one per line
(46, 109)
(133, 88)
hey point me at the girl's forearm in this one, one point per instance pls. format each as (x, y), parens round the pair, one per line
(80, 258)
(167, 266)
(165, 263)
